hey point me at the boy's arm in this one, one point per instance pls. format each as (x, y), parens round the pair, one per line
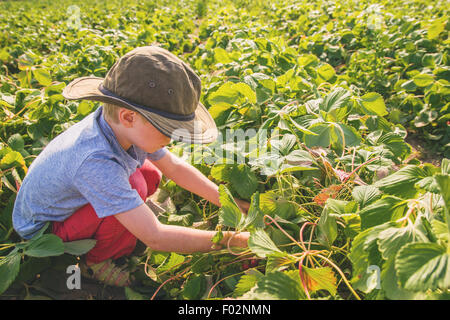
(191, 179)
(144, 225)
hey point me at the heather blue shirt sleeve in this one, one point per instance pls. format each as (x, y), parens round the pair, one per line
(104, 183)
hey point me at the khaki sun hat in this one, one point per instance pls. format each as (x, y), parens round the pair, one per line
(158, 85)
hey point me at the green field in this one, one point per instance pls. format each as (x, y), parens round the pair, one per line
(353, 97)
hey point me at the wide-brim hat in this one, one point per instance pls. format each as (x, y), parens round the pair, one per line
(158, 85)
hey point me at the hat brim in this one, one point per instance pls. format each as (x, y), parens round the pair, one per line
(200, 130)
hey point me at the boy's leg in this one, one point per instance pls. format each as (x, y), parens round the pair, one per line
(113, 240)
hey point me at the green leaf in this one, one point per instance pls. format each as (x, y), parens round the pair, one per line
(320, 279)
(243, 180)
(373, 103)
(308, 60)
(340, 207)
(202, 262)
(283, 145)
(261, 244)
(218, 236)
(336, 99)
(254, 215)
(273, 204)
(298, 157)
(445, 166)
(246, 91)
(16, 142)
(278, 261)
(4, 55)
(351, 136)
(222, 172)
(230, 93)
(85, 107)
(352, 225)
(230, 215)
(443, 181)
(43, 76)
(390, 284)
(277, 286)
(365, 195)
(30, 267)
(12, 159)
(429, 184)
(326, 71)
(423, 266)
(392, 239)
(436, 27)
(423, 80)
(321, 138)
(386, 209)
(79, 247)
(247, 282)
(45, 246)
(409, 86)
(396, 144)
(289, 168)
(181, 219)
(225, 95)
(283, 80)
(172, 262)
(221, 55)
(9, 269)
(364, 253)
(440, 230)
(327, 228)
(425, 117)
(401, 183)
(192, 207)
(220, 113)
(332, 134)
(26, 61)
(300, 127)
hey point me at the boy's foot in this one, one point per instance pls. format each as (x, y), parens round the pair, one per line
(108, 273)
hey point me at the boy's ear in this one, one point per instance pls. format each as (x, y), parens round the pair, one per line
(127, 117)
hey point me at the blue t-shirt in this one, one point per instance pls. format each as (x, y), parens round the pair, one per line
(84, 164)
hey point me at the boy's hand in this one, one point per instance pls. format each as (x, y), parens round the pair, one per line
(237, 239)
(241, 239)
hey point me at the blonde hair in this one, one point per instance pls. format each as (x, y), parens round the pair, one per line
(111, 112)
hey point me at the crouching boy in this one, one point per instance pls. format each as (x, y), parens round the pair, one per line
(93, 179)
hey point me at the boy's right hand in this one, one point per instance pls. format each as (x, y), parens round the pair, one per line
(145, 226)
(237, 239)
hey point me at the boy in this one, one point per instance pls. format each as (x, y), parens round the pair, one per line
(93, 179)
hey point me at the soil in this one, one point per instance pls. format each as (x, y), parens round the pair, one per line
(51, 285)
(421, 152)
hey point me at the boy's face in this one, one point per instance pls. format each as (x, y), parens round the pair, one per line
(135, 129)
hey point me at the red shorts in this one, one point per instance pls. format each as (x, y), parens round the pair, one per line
(113, 239)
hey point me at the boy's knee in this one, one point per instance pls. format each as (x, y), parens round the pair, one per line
(137, 182)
